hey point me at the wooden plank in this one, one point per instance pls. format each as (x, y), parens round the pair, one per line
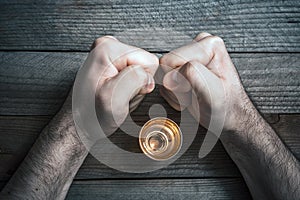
(7, 167)
(227, 188)
(260, 26)
(18, 134)
(289, 128)
(36, 83)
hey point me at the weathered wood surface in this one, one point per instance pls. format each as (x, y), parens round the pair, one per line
(18, 133)
(221, 188)
(36, 83)
(225, 188)
(264, 26)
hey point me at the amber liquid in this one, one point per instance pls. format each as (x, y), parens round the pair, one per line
(160, 138)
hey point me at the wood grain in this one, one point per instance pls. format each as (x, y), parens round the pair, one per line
(212, 188)
(260, 26)
(221, 188)
(228, 188)
(18, 133)
(36, 83)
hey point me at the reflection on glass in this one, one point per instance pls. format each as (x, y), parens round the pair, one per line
(160, 138)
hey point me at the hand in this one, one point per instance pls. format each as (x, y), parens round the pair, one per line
(205, 67)
(127, 75)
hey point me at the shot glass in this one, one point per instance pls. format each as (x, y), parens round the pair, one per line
(160, 138)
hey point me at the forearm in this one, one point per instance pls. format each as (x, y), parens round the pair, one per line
(49, 168)
(269, 168)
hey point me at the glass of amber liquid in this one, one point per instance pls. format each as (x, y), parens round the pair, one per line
(160, 138)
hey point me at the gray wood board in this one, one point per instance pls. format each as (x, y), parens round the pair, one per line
(18, 133)
(260, 26)
(212, 188)
(226, 188)
(36, 83)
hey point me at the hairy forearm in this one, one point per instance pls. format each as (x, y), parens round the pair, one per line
(49, 168)
(269, 168)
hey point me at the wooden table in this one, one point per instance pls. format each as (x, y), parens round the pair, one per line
(44, 43)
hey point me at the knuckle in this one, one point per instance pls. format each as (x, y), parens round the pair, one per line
(201, 36)
(192, 65)
(163, 59)
(216, 40)
(155, 59)
(167, 59)
(100, 40)
(191, 68)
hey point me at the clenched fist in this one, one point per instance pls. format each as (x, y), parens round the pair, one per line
(126, 76)
(204, 67)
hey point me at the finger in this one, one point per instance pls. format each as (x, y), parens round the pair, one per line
(170, 94)
(97, 42)
(179, 100)
(176, 82)
(173, 103)
(194, 108)
(204, 82)
(118, 91)
(135, 101)
(131, 81)
(120, 55)
(202, 51)
(201, 36)
(177, 88)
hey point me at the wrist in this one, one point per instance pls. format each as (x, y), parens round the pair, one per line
(241, 114)
(62, 128)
